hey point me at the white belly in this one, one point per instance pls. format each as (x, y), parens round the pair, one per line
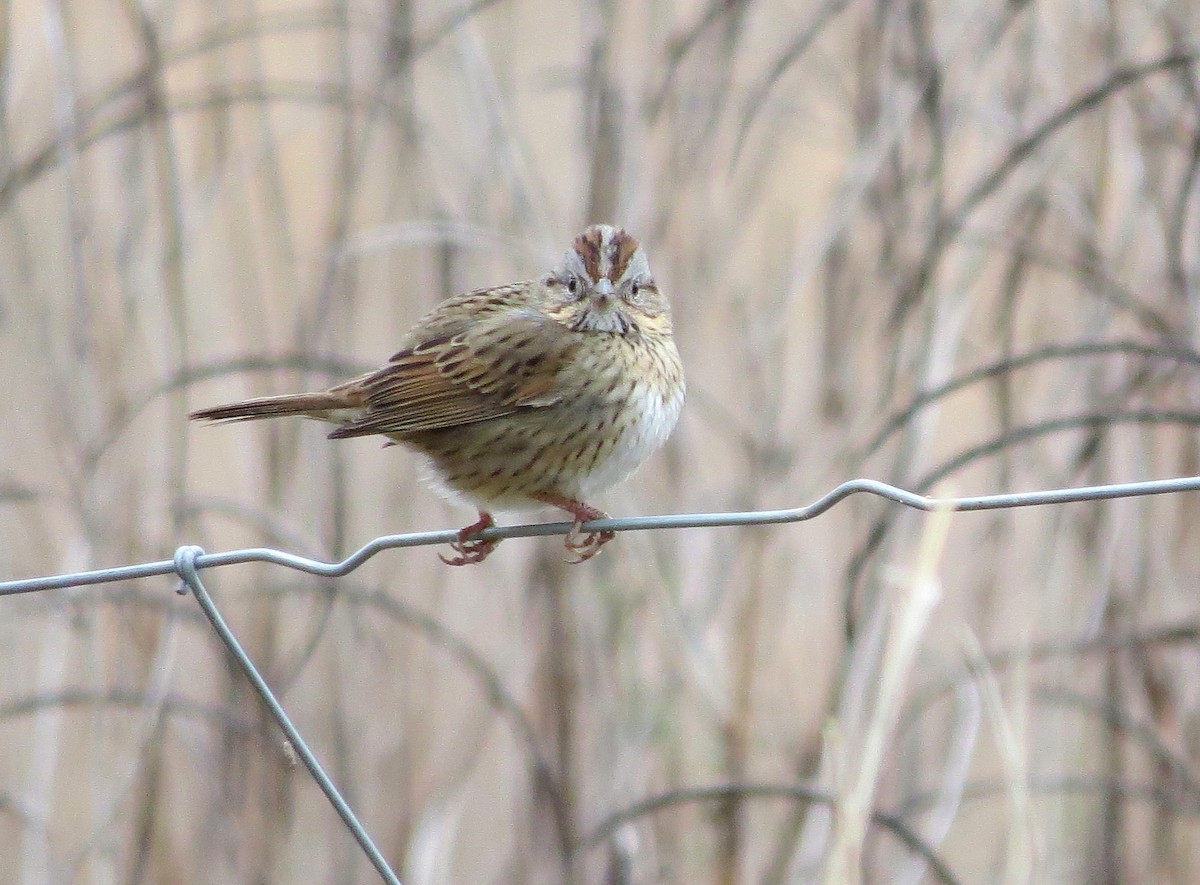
(642, 437)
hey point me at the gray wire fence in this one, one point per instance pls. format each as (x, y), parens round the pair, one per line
(189, 561)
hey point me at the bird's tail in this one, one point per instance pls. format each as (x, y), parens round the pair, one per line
(330, 405)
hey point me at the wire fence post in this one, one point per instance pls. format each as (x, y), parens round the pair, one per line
(188, 561)
(185, 567)
(1005, 501)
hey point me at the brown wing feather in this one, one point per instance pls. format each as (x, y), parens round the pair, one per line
(488, 369)
(312, 405)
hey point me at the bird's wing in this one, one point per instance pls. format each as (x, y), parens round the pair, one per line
(461, 373)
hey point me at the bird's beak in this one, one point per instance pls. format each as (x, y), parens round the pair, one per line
(604, 288)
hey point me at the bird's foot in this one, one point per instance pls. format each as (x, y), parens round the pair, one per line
(468, 548)
(581, 545)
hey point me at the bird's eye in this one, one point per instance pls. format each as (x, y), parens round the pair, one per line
(637, 287)
(572, 285)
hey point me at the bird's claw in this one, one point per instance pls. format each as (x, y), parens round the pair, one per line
(584, 545)
(470, 549)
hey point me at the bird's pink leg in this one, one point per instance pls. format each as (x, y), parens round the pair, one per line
(470, 549)
(583, 545)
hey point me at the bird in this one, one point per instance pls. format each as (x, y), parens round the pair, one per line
(541, 392)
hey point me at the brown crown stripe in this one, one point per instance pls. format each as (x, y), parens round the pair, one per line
(587, 246)
(624, 246)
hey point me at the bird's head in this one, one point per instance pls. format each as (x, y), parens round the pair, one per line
(603, 284)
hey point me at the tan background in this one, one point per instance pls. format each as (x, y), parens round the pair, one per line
(849, 203)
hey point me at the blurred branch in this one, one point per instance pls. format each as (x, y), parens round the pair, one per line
(1089, 272)
(1049, 786)
(1091, 421)
(948, 224)
(450, 23)
(1095, 422)
(1048, 650)
(887, 821)
(127, 698)
(1048, 353)
(194, 374)
(679, 47)
(284, 92)
(757, 98)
